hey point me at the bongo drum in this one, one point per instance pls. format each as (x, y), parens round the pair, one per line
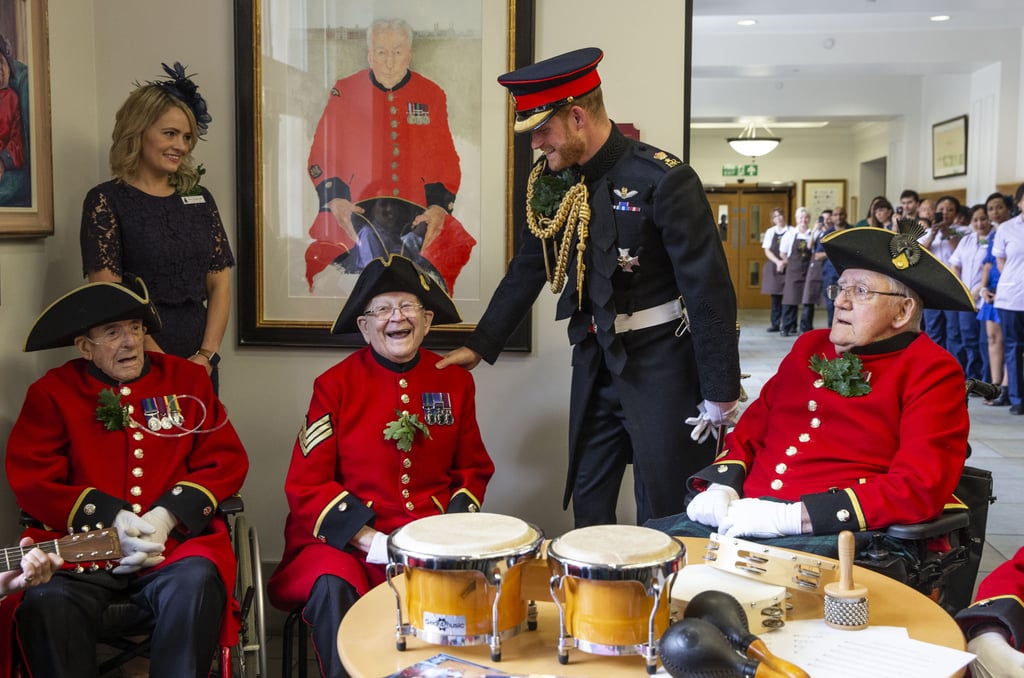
(611, 585)
(463, 576)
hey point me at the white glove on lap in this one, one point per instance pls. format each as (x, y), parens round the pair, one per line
(996, 658)
(137, 550)
(722, 414)
(760, 518)
(162, 522)
(710, 506)
(378, 553)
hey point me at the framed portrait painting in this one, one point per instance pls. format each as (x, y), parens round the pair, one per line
(26, 169)
(369, 128)
(949, 148)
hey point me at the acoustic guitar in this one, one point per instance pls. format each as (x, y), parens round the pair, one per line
(81, 547)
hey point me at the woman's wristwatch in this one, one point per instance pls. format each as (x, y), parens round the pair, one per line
(212, 357)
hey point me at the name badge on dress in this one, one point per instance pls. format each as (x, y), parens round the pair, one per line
(193, 199)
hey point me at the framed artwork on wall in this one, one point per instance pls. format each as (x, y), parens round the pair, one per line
(823, 194)
(26, 162)
(949, 148)
(354, 144)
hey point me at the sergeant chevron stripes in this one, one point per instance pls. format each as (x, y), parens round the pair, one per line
(313, 434)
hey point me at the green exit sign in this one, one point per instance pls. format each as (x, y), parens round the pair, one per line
(739, 170)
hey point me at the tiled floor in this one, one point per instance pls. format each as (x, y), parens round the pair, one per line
(995, 437)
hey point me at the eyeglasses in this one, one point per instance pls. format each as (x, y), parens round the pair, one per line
(115, 334)
(408, 310)
(859, 292)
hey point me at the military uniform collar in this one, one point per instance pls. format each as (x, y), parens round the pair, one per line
(106, 379)
(400, 85)
(606, 157)
(395, 367)
(896, 343)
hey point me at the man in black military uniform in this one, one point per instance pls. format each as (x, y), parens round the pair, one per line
(652, 313)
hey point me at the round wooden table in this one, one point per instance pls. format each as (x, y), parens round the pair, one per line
(366, 638)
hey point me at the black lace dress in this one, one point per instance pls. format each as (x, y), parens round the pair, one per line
(171, 242)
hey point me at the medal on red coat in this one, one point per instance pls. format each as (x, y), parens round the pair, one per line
(437, 409)
(152, 413)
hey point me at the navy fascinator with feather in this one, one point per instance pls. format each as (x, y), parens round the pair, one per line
(181, 87)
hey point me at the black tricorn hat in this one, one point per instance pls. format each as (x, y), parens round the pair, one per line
(396, 274)
(90, 305)
(900, 256)
(542, 88)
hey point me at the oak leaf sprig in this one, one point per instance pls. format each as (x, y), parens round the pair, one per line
(844, 375)
(403, 430)
(111, 412)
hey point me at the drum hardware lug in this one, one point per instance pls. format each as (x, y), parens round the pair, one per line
(531, 616)
(393, 570)
(495, 633)
(564, 641)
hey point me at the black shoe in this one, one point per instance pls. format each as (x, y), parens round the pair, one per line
(1016, 409)
(772, 329)
(787, 333)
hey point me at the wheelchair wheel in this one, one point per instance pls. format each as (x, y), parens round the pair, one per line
(250, 655)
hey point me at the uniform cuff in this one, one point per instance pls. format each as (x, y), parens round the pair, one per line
(342, 519)
(1005, 610)
(332, 189)
(95, 510)
(729, 473)
(193, 505)
(437, 194)
(834, 511)
(463, 501)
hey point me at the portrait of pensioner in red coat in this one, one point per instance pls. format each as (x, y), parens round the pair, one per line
(385, 168)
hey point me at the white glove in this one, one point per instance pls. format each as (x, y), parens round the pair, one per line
(138, 552)
(162, 522)
(378, 553)
(722, 414)
(710, 506)
(996, 658)
(760, 518)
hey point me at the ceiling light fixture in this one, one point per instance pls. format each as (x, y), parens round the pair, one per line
(748, 143)
(746, 22)
(940, 17)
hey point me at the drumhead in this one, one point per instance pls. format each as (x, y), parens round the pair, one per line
(615, 545)
(473, 535)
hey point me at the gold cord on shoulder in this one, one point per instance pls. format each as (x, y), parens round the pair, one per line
(573, 216)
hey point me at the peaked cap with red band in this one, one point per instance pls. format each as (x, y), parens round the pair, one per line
(542, 88)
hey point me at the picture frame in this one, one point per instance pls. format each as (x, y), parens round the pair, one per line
(26, 184)
(949, 148)
(823, 194)
(279, 302)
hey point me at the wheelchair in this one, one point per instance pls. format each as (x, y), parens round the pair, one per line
(940, 558)
(126, 635)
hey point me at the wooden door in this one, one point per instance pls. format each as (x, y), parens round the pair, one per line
(743, 215)
(755, 217)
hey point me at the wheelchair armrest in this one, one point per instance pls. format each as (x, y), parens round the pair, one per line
(944, 524)
(232, 505)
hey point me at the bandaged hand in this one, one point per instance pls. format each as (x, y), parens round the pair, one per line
(137, 550)
(711, 506)
(995, 658)
(760, 518)
(378, 553)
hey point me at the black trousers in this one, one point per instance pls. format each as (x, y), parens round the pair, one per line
(329, 600)
(776, 312)
(59, 623)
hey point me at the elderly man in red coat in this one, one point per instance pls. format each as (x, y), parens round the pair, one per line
(387, 439)
(384, 136)
(863, 426)
(136, 441)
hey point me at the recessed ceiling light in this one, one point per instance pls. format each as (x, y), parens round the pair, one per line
(746, 22)
(940, 17)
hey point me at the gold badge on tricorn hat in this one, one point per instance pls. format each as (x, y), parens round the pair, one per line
(904, 246)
